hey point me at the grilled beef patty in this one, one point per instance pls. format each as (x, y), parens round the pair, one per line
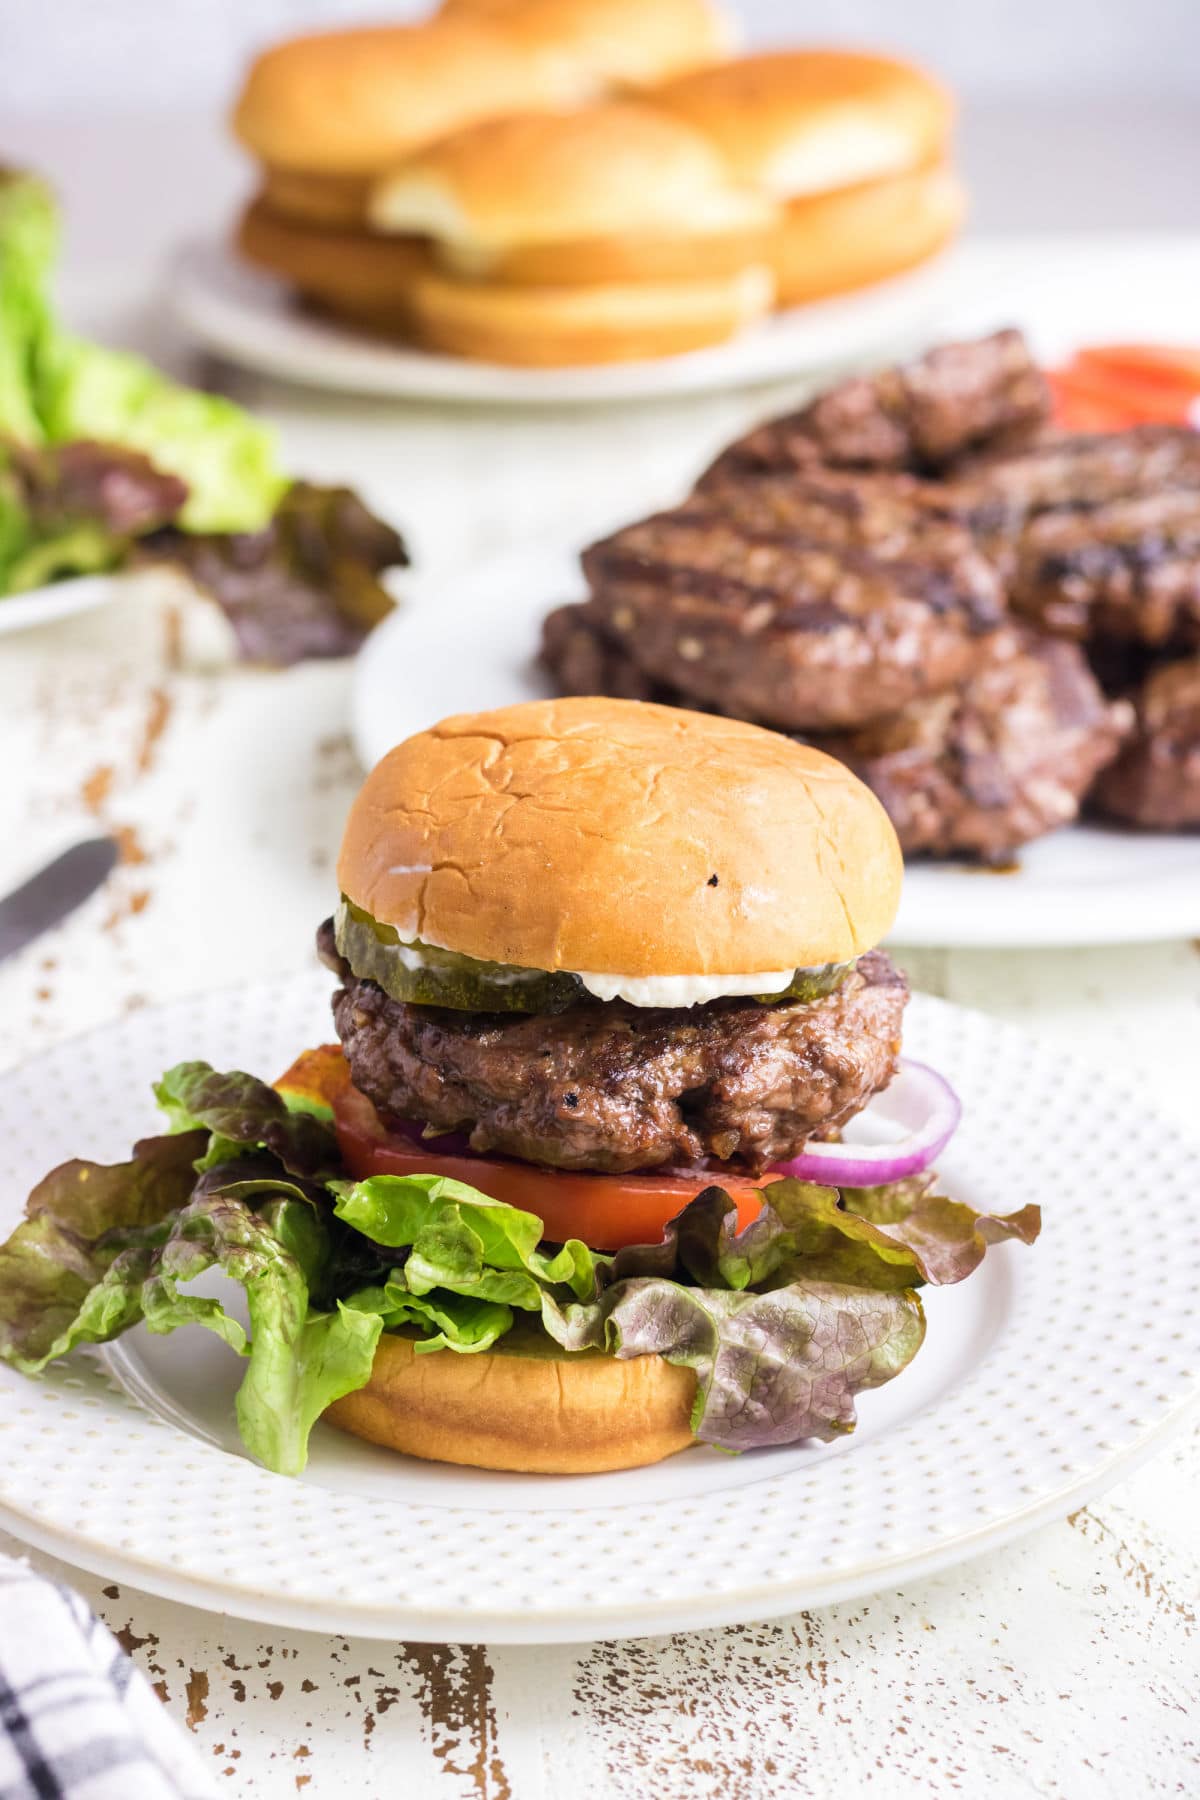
(613, 1087)
(1007, 757)
(1129, 569)
(794, 631)
(1155, 782)
(921, 415)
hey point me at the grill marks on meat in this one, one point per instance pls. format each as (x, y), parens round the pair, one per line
(1076, 472)
(615, 1087)
(816, 624)
(1128, 569)
(981, 770)
(918, 416)
(1155, 782)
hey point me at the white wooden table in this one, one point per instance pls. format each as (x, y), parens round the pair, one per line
(1068, 1666)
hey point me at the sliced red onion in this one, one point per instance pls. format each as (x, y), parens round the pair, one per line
(920, 1110)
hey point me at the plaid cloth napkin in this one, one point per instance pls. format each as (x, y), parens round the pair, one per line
(77, 1720)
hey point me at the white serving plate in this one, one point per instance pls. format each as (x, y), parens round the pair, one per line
(57, 600)
(254, 320)
(472, 645)
(1048, 1373)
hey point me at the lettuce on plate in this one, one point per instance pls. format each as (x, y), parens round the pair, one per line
(784, 1322)
(177, 476)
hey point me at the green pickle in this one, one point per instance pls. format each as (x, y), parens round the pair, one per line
(444, 978)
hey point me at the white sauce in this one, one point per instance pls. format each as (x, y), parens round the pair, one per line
(684, 990)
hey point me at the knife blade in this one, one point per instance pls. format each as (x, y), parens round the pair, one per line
(48, 897)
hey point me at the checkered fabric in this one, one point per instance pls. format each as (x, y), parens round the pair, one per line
(77, 1720)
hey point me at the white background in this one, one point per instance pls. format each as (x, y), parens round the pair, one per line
(140, 53)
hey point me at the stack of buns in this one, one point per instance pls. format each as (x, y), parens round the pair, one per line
(581, 181)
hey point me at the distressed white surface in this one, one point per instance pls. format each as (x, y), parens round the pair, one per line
(1068, 1667)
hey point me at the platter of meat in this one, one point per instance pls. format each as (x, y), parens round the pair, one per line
(994, 621)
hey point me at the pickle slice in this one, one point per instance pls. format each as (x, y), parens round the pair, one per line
(427, 976)
(810, 984)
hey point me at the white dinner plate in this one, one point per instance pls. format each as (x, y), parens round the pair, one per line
(1043, 1376)
(472, 644)
(57, 600)
(254, 320)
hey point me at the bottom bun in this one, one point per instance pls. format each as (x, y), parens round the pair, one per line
(523, 1406)
(608, 322)
(831, 243)
(347, 270)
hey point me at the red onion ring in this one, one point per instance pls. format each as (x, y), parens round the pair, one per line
(919, 1100)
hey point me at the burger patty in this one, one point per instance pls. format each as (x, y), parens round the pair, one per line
(613, 1087)
(918, 416)
(1073, 472)
(1127, 569)
(1155, 782)
(787, 629)
(1009, 756)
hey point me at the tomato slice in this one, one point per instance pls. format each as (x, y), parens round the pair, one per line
(606, 1211)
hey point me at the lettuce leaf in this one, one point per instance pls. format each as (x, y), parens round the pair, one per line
(228, 460)
(241, 1112)
(771, 1368)
(28, 247)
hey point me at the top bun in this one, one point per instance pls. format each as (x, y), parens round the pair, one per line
(354, 102)
(802, 122)
(541, 178)
(623, 43)
(613, 837)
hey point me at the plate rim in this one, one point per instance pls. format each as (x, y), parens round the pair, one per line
(651, 1618)
(908, 302)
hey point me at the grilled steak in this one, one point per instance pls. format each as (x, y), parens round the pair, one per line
(1078, 472)
(1155, 782)
(918, 416)
(979, 772)
(1129, 569)
(788, 630)
(615, 1087)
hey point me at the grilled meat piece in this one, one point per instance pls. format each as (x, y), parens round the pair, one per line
(1155, 782)
(1004, 488)
(979, 772)
(583, 661)
(615, 1087)
(795, 633)
(920, 415)
(1129, 569)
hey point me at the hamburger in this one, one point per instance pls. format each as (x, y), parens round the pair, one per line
(607, 233)
(854, 148)
(562, 1196)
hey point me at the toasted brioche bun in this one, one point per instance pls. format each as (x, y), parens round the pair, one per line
(349, 271)
(521, 1407)
(577, 326)
(831, 243)
(585, 834)
(798, 122)
(354, 102)
(626, 43)
(618, 167)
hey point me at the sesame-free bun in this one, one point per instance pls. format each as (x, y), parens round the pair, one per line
(522, 1406)
(831, 243)
(576, 326)
(618, 167)
(350, 271)
(628, 43)
(798, 122)
(613, 837)
(354, 102)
